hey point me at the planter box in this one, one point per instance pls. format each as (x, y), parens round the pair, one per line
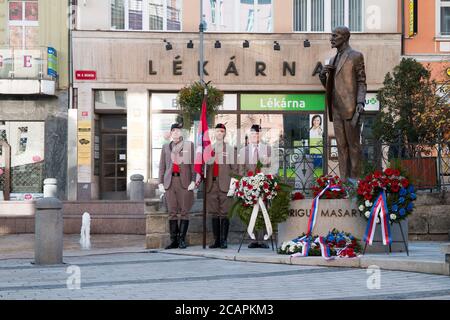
(341, 214)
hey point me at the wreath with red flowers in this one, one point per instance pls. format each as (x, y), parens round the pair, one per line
(322, 182)
(276, 195)
(400, 193)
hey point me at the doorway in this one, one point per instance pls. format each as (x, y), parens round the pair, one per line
(113, 157)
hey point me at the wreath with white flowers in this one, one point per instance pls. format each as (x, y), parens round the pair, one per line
(255, 185)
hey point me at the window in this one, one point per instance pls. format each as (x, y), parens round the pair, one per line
(238, 15)
(444, 17)
(165, 111)
(110, 100)
(159, 15)
(325, 15)
(23, 24)
(135, 15)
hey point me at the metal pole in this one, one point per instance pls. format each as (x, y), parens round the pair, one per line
(201, 29)
(202, 81)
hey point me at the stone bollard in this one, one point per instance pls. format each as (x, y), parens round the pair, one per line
(50, 188)
(137, 187)
(48, 243)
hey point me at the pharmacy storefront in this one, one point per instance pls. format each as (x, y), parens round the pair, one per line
(123, 108)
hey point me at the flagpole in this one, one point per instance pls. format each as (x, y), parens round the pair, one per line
(202, 81)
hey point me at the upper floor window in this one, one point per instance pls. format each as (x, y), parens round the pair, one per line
(444, 17)
(325, 15)
(157, 15)
(23, 23)
(238, 15)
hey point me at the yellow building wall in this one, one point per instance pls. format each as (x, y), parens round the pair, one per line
(3, 22)
(53, 32)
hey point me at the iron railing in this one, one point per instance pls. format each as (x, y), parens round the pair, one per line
(428, 165)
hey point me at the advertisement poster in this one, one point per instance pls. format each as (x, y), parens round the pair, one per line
(316, 133)
(84, 152)
(52, 62)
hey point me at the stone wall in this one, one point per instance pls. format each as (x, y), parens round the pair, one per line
(431, 217)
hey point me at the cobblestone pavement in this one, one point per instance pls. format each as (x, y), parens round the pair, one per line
(150, 275)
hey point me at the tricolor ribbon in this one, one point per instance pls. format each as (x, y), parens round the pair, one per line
(324, 249)
(315, 207)
(304, 243)
(251, 224)
(379, 208)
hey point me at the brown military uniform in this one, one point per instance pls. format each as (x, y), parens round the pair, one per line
(179, 199)
(218, 178)
(248, 158)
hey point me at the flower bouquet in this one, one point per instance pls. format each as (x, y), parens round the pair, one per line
(341, 244)
(322, 182)
(297, 196)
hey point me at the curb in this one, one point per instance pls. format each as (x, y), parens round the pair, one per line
(391, 263)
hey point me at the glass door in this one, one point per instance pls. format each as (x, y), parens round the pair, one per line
(113, 157)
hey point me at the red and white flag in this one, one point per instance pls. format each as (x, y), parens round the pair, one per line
(204, 148)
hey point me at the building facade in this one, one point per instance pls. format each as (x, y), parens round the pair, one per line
(427, 35)
(131, 57)
(33, 96)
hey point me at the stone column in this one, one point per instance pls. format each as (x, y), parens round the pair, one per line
(48, 244)
(50, 188)
(137, 187)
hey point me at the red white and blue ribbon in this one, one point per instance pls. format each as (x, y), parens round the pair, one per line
(379, 208)
(315, 207)
(304, 243)
(324, 249)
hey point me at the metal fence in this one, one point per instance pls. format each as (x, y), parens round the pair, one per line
(427, 165)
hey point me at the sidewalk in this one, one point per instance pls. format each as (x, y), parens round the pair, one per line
(425, 257)
(21, 246)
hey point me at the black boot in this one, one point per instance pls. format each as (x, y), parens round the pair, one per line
(224, 226)
(173, 227)
(184, 224)
(216, 232)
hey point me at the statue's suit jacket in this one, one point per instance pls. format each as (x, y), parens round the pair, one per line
(187, 173)
(349, 86)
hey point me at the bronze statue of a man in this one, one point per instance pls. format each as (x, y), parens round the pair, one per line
(345, 81)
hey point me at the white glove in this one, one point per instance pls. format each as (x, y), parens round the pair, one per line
(161, 188)
(232, 187)
(191, 186)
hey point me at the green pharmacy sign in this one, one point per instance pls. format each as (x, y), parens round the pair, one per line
(283, 102)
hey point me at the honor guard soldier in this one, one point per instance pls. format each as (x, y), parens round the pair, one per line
(249, 156)
(219, 179)
(176, 180)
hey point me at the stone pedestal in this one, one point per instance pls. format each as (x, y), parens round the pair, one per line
(137, 187)
(48, 232)
(157, 230)
(341, 214)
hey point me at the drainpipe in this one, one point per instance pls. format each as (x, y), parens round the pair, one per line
(403, 29)
(69, 34)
